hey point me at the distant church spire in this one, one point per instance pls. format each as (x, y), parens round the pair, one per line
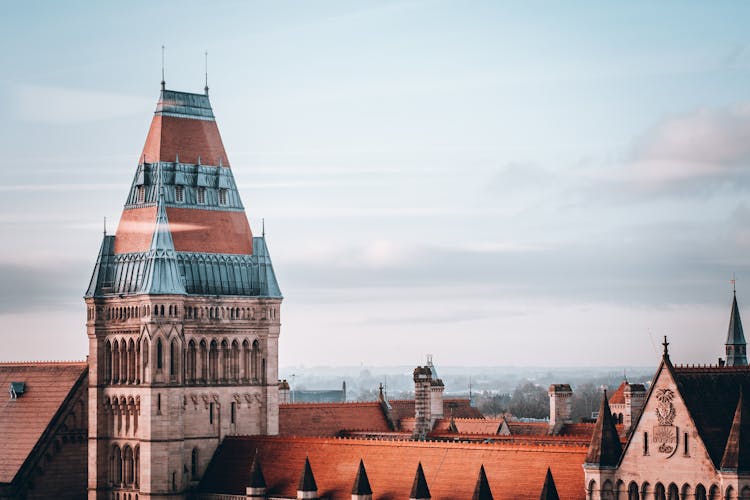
(735, 344)
(163, 82)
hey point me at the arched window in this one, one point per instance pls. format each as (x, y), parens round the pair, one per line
(107, 362)
(700, 492)
(673, 493)
(213, 361)
(203, 360)
(173, 353)
(633, 491)
(607, 492)
(659, 493)
(194, 464)
(115, 362)
(116, 466)
(145, 357)
(127, 457)
(191, 362)
(686, 491)
(159, 354)
(591, 489)
(246, 360)
(235, 361)
(745, 494)
(713, 492)
(256, 361)
(729, 493)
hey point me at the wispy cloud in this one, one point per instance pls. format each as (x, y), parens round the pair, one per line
(57, 105)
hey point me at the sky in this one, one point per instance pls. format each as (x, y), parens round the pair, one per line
(528, 183)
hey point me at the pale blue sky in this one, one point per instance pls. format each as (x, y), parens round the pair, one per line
(493, 183)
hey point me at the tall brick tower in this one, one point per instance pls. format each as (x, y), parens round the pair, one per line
(183, 316)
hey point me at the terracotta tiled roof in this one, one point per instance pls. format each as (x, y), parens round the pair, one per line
(23, 421)
(193, 230)
(477, 425)
(189, 138)
(528, 428)
(711, 395)
(450, 468)
(458, 407)
(618, 397)
(330, 419)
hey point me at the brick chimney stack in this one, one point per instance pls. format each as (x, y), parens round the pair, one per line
(560, 399)
(422, 405)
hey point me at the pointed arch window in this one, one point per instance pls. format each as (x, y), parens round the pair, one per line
(159, 354)
(179, 194)
(201, 195)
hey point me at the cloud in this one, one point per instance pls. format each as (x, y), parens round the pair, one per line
(708, 147)
(58, 106)
(41, 288)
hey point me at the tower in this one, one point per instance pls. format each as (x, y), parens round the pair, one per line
(735, 345)
(182, 316)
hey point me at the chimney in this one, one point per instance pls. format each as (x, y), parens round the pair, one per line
(635, 396)
(283, 391)
(560, 399)
(436, 393)
(422, 405)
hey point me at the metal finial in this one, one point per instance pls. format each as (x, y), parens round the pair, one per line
(666, 347)
(263, 227)
(105, 225)
(163, 82)
(733, 281)
(205, 65)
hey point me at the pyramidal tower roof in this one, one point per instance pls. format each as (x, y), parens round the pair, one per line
(183, 211)
(605, 448)
(361, 485)
(419, 489)
(549, 490)
(482, 489)
(737, 451)
(735, 343)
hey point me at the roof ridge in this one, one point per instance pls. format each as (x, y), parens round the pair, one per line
(46, 362)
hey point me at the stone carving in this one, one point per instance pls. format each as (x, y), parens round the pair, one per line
(237, 399)
(665, 409)
(666, 435)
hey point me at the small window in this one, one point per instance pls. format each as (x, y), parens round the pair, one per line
(159, 354)
(201, 195)
(234, 412)
(685, 443)
(194, 464)
(222, 196)
(211, 413)
(140, 194)
(179, 194)
(158, 404)
(645, 443)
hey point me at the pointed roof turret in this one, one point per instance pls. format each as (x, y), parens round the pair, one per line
(419, 490)
(361, 487)
(482, 489)
(605, 448)
(162, 274)
(737, 452)
(735, 344)
(549, 491)
(257, 486)
(307, 488)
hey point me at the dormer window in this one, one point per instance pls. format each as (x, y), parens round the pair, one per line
(140, 194)
(16, 389)
(201, 195)
(222, 196)
(179, 194)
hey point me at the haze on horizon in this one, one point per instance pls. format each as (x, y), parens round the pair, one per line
(496, 184)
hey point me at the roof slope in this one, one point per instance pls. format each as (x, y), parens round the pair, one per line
(737, 452)
(23, 421)
(450, 468)
(330, 419)
(605, 448)
(711, 395)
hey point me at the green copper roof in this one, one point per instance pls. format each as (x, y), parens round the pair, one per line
(161, 275)
(201, 273)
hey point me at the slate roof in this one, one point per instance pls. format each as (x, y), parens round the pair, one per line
(361, 484)
(450, 468)
(711, 395)
(549, 490)
(23, 421)
(737, 452)
(482, 490)
(605, 448)
(419, 488)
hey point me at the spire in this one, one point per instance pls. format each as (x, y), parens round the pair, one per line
(482, 489)
(605, 448)
(257, 487)
(163, 82)
(307, 487)
(549, 491)
(735, 345)
(737, 451)
(162, 275)
(205, 89)
(361, 488)
(419, 490)
(665, 352)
